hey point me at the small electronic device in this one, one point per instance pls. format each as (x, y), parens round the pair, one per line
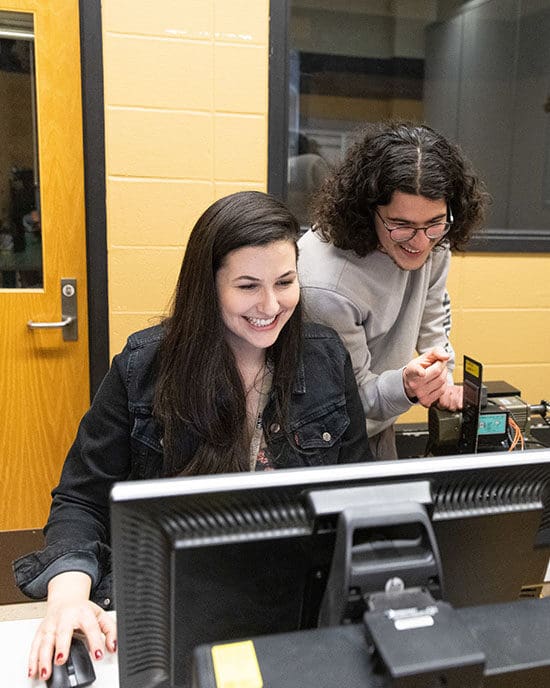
(494, 418)
(471, 386)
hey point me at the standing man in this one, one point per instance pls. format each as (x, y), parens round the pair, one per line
(374, 267)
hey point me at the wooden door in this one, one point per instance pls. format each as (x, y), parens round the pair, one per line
(44, 388)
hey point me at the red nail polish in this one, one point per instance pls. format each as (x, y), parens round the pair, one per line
(114, 645)
(43, 673)
(98, 654)
(59, 657)
(30, 673)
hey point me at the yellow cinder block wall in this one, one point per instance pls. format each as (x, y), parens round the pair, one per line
(185, 123)
(186, 97)
(501, 317)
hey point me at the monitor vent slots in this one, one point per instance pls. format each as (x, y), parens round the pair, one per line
(471, 494)
(226, 521)
(148, 597)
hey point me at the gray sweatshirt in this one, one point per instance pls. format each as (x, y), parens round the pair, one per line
(382, 313)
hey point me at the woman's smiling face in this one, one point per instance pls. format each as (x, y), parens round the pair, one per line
(258, 290)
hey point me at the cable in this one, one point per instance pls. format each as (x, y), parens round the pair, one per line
(518, 436)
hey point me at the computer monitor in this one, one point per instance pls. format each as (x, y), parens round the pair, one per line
(221, 557)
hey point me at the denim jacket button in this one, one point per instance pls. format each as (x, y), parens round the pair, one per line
(274, 428)
(327, 436)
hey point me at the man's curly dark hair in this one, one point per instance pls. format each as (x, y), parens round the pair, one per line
(397, 156)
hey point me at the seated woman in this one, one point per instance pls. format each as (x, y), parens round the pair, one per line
(231, 381)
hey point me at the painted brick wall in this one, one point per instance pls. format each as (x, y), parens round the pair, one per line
(186, 123)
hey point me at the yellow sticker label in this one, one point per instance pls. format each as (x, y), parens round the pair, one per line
(472, 368)
(236, 665)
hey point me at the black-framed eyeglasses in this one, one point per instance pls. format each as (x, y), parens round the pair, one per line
(403, 232)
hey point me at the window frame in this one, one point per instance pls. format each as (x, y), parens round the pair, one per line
(91, 59)
(490, 240)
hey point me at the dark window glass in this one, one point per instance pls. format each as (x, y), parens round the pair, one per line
(477, 71)
(20, 227)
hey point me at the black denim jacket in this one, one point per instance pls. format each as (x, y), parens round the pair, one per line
(118, 439)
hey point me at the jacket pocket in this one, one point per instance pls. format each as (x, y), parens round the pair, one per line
(323, 431)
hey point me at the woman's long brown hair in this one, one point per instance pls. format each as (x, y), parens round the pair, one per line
(199, 399)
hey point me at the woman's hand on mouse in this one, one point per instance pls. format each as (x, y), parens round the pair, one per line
(69, 608)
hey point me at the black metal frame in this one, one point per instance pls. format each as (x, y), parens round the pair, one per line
(511, 241)
(493, 240)
(279, 12)
(91, 47)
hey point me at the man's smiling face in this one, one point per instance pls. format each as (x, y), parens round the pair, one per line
(414, 211)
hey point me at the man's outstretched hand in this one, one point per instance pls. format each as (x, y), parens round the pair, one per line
(425, 378)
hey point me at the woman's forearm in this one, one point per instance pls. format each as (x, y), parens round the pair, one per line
(69, 586)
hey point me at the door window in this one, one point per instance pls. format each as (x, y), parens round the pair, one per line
(20, 226)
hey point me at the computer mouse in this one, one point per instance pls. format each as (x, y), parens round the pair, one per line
(77, 671)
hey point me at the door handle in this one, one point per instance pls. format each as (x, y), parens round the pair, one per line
(33, 325)
(69, 317)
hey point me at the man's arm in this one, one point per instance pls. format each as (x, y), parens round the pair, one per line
(436, 327)
(383, 396)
